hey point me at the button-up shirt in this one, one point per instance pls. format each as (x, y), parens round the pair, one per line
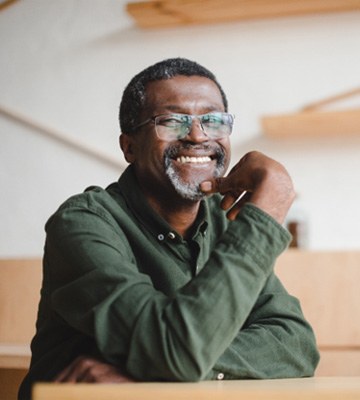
(121, 284)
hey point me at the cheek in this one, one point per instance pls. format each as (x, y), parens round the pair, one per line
(151, 155)
(225, 144)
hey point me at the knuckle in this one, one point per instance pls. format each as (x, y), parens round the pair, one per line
(87, 362)
(218, 184)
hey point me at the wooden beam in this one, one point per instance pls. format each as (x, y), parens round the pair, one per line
(60, 137)
(330, 100)
(167, 13)
(6, 3)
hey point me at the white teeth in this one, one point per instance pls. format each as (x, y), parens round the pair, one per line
(184, 159)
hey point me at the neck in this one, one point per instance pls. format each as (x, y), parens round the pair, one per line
(180, 214)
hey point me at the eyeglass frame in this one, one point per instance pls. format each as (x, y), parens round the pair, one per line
(153, 119)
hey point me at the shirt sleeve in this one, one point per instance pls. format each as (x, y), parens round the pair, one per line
(275, 342)
(97, 289)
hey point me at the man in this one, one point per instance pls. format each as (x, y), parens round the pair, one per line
(167, 275)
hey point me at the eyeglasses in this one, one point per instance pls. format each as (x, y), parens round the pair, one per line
(169, 127)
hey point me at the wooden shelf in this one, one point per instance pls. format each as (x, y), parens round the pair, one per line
(168, 13)
(310, 124)
(312, 120)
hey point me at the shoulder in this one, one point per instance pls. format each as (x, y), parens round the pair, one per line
(93, 198)
(94, 201)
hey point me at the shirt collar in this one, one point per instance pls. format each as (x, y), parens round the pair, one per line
(135, 200)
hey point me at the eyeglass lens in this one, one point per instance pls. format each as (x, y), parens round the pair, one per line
(177, 126)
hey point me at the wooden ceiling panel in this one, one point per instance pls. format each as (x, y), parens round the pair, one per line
(167, 13)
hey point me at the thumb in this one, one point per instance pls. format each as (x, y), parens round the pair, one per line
(212, 186)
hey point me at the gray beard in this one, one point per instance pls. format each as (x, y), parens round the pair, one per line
(190, 190)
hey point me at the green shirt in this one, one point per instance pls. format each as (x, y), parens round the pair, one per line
(121, 284)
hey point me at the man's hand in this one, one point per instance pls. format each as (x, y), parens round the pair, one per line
(260, 181)
(90, 370)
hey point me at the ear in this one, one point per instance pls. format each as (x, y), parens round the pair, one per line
(126, 145)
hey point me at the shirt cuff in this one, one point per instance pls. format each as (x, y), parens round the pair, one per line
(258, 234)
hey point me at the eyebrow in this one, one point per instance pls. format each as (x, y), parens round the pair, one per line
(176, 108)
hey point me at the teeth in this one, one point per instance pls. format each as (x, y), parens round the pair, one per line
(183, 159)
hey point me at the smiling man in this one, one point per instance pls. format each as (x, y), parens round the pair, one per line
(167, 274)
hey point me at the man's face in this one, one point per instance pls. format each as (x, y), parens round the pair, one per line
(180, 165)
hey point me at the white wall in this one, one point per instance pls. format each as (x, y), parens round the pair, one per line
(65, 64)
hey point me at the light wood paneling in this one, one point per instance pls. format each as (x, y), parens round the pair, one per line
(327, 284)
(20, 282)
(339, 362)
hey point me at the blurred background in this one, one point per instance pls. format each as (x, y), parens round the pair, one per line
(64, 65)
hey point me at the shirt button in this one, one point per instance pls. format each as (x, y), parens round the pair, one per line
(161, 237)
(220, 376)
(171, 235)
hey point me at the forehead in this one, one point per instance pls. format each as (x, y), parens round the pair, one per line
(184, 91)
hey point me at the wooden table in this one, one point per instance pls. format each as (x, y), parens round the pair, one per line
(332, 388)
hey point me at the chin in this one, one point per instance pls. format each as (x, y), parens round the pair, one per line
(187, 177)
(192, 194)
(187, 189)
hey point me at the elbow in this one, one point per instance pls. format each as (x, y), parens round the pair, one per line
(305, 360)
(312, 357)
(310, 354)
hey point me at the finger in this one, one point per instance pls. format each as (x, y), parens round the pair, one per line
(228, 200)
(234, 211)
(208, 187)
(113, 375)
(66, 375)
(75, 371)
(223, 185)
(217, 185)
(231, 198)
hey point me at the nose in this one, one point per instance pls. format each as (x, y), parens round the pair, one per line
(196, 134)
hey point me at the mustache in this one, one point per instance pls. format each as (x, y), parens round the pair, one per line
(173, 150)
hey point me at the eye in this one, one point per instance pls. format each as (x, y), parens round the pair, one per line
(213, 119)
(170, 121)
